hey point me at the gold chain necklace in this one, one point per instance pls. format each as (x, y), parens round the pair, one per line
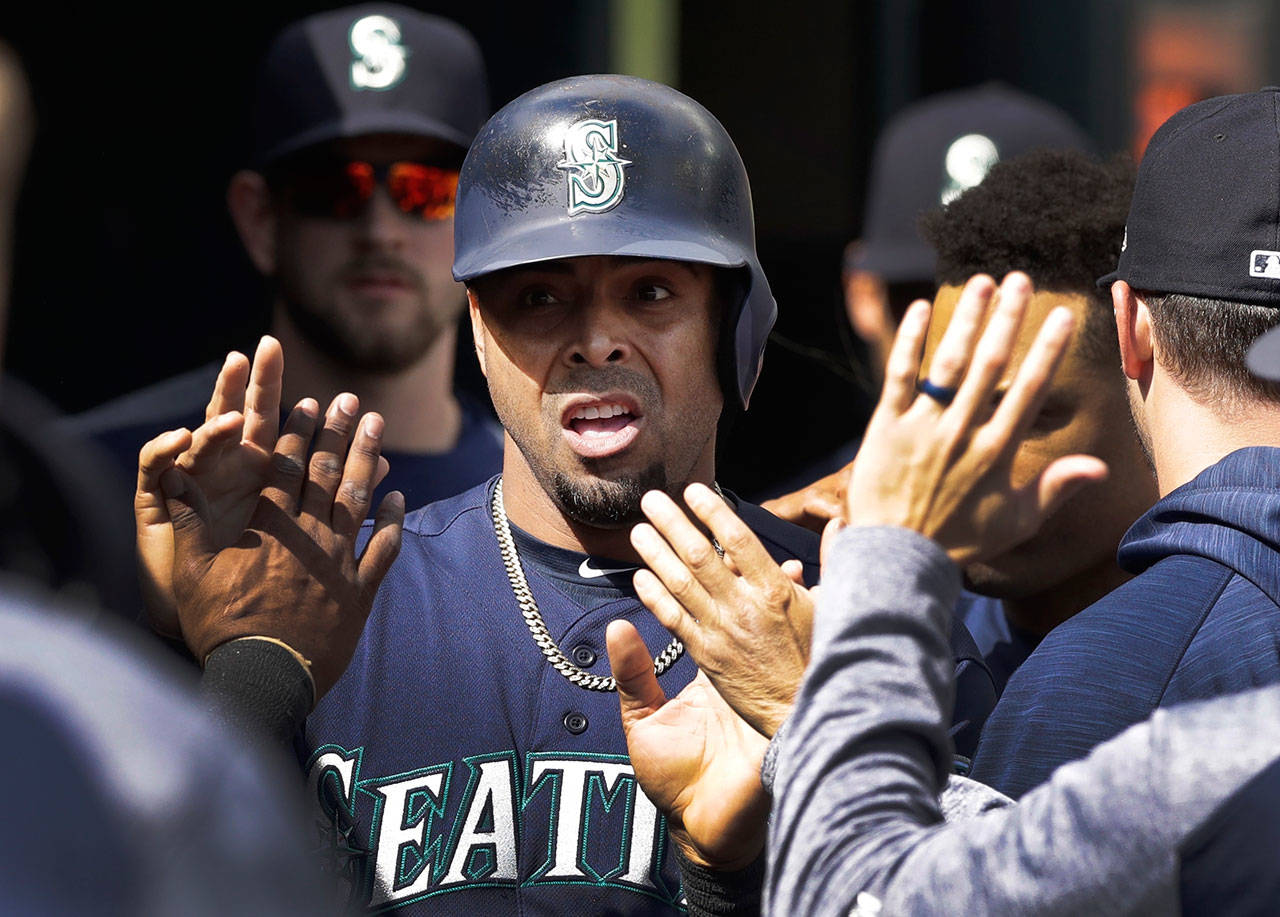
(533, 617)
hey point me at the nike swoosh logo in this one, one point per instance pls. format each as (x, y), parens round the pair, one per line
(586, 571)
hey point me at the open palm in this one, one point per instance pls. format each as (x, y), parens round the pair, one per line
(695, 759)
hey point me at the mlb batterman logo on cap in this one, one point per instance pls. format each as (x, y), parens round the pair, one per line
(368, 69)
(1205, 217)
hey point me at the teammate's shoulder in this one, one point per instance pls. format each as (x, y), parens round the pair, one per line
(175, 397)
(782, 539)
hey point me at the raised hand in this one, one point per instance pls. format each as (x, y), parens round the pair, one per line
(291, 574)
(937, 456)
(696, 760)
(745, 620)
(228, 456)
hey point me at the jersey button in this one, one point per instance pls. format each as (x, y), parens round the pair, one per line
(575, 722)
(584, 656)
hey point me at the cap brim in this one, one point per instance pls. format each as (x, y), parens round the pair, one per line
(358, 124)
(1104, 282)
(553, 241)
(1263, 358)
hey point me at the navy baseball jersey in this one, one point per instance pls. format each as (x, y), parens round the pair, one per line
(457, 770)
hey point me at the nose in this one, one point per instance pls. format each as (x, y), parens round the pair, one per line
(600, 336)
(381, 225)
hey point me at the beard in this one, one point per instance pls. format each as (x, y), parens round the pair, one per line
(605, 504)
(600, 499)
(353, 340)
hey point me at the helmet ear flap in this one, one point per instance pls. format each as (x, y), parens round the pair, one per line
(731, 287)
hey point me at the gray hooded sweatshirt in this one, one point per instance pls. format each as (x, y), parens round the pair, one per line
(856, 774)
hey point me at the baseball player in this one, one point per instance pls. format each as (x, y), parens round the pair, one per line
(361, 119)
(470, 759)
(468, 751)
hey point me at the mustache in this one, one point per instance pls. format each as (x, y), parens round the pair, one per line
(593, 381)
(381, 264)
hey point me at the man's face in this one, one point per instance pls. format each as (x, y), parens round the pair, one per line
(1086, 411)
(373, 290)
(602, 370)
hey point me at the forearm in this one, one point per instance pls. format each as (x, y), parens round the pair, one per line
(865, 753)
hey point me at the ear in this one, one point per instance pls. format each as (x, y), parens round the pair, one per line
(477, 328)
(253, 212)
(1133, 326)
(866, 302)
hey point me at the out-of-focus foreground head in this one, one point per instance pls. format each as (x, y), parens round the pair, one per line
(17, 127)
(620, 166)
(926, 156)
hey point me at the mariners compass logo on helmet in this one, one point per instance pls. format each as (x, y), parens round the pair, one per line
(594, 167)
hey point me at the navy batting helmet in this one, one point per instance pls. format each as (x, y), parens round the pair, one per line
(613, 165)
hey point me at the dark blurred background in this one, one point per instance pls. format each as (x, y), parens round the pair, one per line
(128, 270)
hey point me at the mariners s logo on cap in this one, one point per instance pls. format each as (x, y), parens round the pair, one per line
(594, 167)
(968, 160)
(379, 61)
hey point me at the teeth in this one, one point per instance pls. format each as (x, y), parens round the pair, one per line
(602, 411)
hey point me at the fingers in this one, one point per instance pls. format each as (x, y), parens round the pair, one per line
(262, 399)
(156, 457)
(951, 359)
(995, 349)
(289, 458)
(359, 476)
(679, 555)
(1020, 404)
(903, 365)
(755, 564)
(189, 512)
(670, 613)
(632, 666)
(794, 571)
(228, 390)
(328, 459)
(210, 441)
(383, 546)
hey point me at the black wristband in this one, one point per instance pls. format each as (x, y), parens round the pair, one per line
(736, 892)
(259, 686)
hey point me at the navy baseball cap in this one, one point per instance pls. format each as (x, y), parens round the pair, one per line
(1205, 217)
(368, 69)
(937, 148)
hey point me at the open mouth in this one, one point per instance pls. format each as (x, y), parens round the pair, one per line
(601, 427)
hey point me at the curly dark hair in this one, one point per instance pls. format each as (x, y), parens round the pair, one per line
(1058, 215)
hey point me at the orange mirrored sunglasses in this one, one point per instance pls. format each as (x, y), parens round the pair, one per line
(342, 189)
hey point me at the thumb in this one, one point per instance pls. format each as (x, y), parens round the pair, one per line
(1064, 477)
(632, 666)
(794, 571)
(829, 532)
(189, 513)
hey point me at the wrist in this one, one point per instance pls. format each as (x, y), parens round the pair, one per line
(741, 854)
